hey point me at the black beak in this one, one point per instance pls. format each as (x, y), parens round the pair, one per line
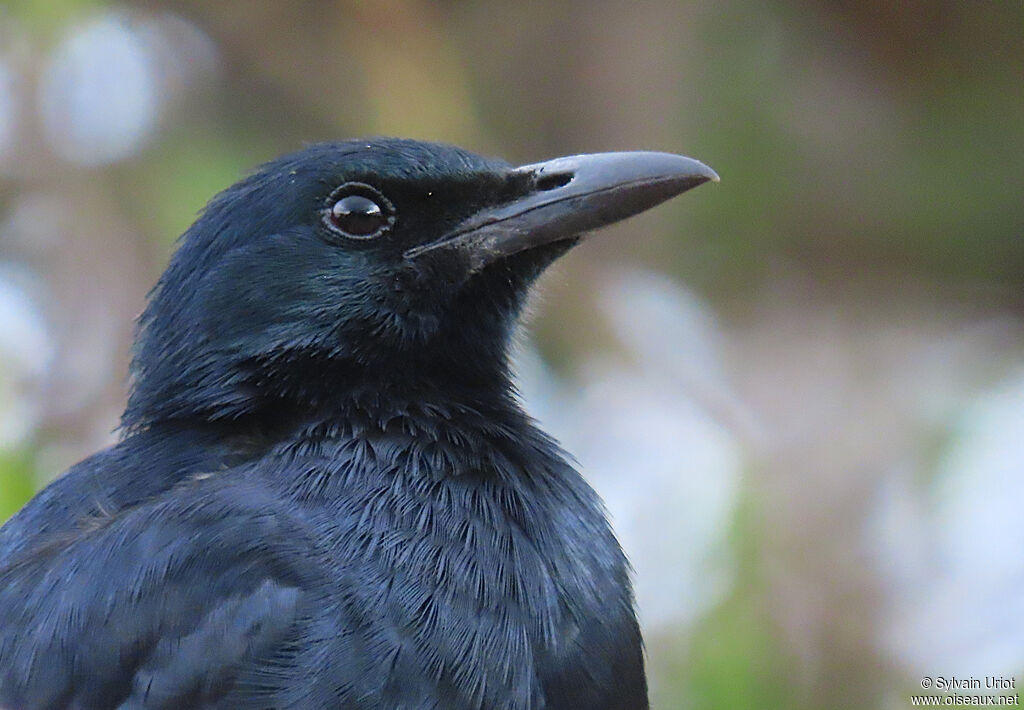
(570, 196)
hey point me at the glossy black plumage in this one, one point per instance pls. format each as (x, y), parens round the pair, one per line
(327, 495)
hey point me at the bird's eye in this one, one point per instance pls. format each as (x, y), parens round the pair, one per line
(358, 211)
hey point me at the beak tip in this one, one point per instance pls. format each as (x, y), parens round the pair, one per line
(707, 173)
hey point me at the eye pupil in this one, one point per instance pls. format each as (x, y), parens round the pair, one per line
(358, 211)
(357, 215)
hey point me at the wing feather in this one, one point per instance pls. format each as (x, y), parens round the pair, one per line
(162, 605)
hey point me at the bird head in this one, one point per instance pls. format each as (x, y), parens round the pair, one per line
(371, 261)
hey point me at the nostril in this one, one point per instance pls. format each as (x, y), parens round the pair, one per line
(553, 181)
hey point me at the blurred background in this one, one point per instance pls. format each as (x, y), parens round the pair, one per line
(800, 392)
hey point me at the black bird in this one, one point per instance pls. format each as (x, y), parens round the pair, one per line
(326, 494)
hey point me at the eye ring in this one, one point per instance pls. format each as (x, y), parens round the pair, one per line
(358, 211)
